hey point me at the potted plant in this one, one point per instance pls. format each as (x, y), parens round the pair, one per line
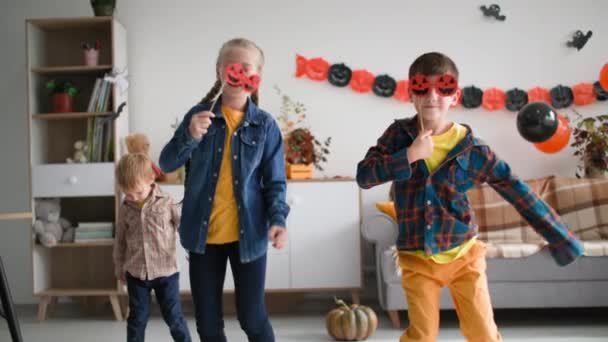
(62, 93)
(103, 8)
(591, 144)
(303, 151)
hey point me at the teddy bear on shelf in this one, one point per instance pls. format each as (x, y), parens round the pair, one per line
(80, 152)
(139, 143)
(50, 227)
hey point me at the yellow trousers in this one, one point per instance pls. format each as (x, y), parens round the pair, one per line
(466, 278)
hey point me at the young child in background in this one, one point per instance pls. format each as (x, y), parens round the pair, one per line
(432, 162)
(144, 248)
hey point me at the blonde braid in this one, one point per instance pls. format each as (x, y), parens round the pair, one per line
(212, 92)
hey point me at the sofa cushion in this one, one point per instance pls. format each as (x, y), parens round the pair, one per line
(596, 248)
(511, 250)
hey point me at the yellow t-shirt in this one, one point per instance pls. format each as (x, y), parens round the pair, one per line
(442, 145)
(224, 221)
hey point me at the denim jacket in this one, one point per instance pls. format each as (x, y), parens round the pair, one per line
(258, 166)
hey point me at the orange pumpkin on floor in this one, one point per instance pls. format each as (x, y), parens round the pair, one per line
(351, 323)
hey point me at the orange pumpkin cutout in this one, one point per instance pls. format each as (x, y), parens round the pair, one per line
(402, 92)
(351, 323)
(300, 66)
(559, 140)
(420, 85)
(538, 94)
(446, 85)
(234, 74)
(584, 94)
(604, 77)
(362, 81)
(493, 99)
(251, 83)
(317, 69)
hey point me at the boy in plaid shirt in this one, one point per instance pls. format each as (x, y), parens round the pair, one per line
(432, 162)
(144, 248)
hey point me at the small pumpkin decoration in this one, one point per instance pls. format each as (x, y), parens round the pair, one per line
(561, 96)
(516, 99)
(584, 94)
(317, 69)
(351, 323)
(402, 91)
(493, 99)
(339, 75)
(600, 93)
(471, 97)
(384, 86)
(362, 81)
(538, 94)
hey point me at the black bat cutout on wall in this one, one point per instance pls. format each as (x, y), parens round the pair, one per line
(493, 11)
(579, 39)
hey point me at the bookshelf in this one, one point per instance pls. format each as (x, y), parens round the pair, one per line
(87, 191)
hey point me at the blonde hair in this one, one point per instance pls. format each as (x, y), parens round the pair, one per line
(132, 169)
(232, 43)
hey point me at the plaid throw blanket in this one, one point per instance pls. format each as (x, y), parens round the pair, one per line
(582, 204)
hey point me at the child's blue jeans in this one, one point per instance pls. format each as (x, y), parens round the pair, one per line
(207, 273)
(167, 295)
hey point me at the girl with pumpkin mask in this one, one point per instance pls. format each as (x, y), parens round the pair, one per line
(235, 187)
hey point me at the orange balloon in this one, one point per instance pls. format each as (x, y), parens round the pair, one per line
(558, 140)
(604, 77)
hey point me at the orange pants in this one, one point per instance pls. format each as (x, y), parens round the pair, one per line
(466, 278)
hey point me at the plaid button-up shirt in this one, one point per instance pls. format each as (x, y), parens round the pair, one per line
(433, 211)
(145, 239)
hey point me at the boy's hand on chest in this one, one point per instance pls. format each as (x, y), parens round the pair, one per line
(421, 148)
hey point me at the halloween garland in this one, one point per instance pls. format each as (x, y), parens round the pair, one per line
(363, 81)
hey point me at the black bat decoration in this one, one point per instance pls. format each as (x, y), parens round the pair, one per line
(579, 39)
(493, 11)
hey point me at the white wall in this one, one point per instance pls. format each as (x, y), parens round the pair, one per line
(172, 52)
(172, 56)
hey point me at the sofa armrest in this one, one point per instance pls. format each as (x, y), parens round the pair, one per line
(381, 230)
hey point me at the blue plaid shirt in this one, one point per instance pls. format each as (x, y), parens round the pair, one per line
(433, 211)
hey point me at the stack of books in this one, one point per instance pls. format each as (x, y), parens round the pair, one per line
(94, 232)
(99, 129)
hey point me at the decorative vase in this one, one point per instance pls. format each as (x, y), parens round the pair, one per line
(595, 172)
(91, 57)
(103, 8)
(299, 171)
(62, 103)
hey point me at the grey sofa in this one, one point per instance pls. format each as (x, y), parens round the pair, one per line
(530, 279)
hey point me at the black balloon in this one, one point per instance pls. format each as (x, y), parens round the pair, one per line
(537, 122)
(384, 86)
(339, 75)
